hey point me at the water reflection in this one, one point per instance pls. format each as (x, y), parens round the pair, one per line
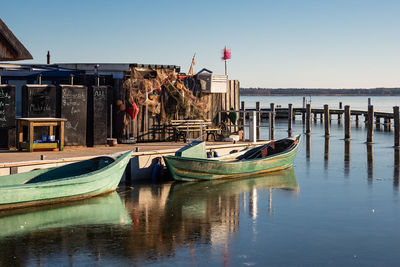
(38, 232)
(347, 149)
(100, 210)
(396, 168)
(154, 222)
(370, 163)
(326, 153)
(308, 147)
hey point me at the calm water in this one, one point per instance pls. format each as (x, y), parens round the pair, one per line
(338, 206)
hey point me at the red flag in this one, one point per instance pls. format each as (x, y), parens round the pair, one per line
(226, 54)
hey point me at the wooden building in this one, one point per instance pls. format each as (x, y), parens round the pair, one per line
(89, 96)
(10, 48)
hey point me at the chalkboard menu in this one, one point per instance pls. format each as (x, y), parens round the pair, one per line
(38, 100)
(7, 116)
(73, 108)
(97, 115)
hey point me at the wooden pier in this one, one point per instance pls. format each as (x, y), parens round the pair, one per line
(325, 115)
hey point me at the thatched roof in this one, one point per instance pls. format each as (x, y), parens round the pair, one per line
(10, 48)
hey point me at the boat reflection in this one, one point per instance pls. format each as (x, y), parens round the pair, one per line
(101, 210)
(210, 210)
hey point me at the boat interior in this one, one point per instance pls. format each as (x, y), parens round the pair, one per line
(73, 169)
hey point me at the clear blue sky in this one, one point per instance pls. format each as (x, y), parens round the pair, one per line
(279, 43)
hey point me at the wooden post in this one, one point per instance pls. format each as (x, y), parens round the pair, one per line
(302, 112)
(327, 120)
(290, 119)
(272, 122)
(30, 134)
(258, 119)
(369, 101)
(308, 118)
(243, 108)
(386, 122)
(370, 129)
(340, 115)
(396, 121)
(252, 126)
(347, 128)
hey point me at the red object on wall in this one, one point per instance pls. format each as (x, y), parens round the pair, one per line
(133, 110)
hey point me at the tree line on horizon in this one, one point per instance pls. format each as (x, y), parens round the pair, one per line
(319, 91)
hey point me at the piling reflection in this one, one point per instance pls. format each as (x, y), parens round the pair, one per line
(370, 163)
(308, 147)
(347, 149)
(326, 153)
(396, 168)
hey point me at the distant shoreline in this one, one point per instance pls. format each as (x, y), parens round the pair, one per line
(319, 92)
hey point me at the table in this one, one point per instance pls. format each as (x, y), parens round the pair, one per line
(31, 123)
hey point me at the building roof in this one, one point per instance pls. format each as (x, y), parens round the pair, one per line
(10, 48)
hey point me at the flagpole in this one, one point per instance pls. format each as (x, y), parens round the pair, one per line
(226, 72)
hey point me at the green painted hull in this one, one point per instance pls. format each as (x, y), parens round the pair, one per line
(192, 169)
(70, 182)
(103, 210)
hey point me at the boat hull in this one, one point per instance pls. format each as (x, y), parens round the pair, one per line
(191, 169)
(87, 185)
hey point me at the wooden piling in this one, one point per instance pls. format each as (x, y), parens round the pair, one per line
(327, 120)
(370, 129)
(396, 122)
(290, 119)
(272, 122)
(303, 117)
(308, 119)
(340, 115)
(386, 123)
(258, 119)
(347, 128)
(243, 109)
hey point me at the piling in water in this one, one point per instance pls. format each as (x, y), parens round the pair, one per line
(370, 129)
(327, 120)
(347, 128)
(396, 119)
(290, 119)
(308, 119)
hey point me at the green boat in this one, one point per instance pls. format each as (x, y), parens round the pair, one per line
(74, 181)
(191, 162)
(102, 210)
